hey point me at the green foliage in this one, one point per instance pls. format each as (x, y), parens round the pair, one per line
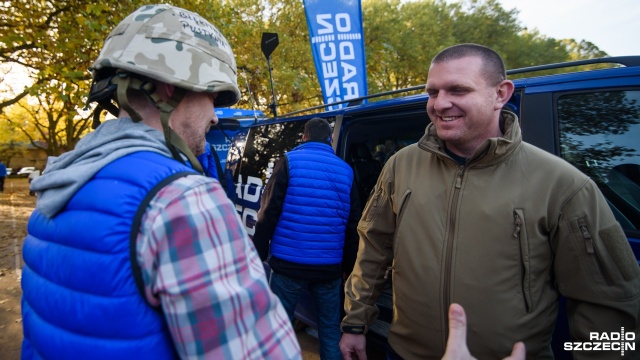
(11, 150)
(59, 39)
(50, 122)
(11, 142)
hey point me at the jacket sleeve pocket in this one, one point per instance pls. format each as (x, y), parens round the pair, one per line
(592, 249)
(525, 258)
(372, 207)
(608, 258)
(615, 241)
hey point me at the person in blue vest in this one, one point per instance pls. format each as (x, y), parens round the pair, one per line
(307, 222)
(212, 167)
(3, 175)
(131, 252)
(209, 162)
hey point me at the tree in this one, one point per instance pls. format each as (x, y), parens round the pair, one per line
(43, 37)
(58, 66)
(402, 38)
(11, 142)
(50, 124)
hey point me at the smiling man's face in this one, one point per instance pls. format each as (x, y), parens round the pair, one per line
(462, 105)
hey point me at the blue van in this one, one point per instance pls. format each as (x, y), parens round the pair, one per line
(590, 118)
(230, 122)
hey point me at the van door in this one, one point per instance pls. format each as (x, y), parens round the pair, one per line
(264, 146)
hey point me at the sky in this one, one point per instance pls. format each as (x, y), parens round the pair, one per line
(612, 25)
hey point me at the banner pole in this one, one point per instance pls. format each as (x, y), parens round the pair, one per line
(273, 105)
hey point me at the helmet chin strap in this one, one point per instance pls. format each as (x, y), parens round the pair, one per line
(175, 143)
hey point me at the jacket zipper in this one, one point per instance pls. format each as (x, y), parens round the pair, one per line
(592, 249)
(386, 273)
(446, 298)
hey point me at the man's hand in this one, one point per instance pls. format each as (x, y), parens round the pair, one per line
(457, 343)
(353, 346)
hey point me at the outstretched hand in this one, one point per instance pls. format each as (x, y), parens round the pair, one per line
(457, 342)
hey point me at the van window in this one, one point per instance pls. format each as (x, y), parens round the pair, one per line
(599, 134)
(266, 144)
(370, 141)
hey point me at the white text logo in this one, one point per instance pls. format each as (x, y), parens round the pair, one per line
(614, 341)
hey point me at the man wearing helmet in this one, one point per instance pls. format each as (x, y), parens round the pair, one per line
(130, 252)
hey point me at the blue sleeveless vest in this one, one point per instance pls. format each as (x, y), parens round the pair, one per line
(80, 300)
(315, 212)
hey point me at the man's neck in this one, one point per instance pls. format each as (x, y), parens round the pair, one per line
(459, 159)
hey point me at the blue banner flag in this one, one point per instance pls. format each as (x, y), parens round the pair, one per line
(337, 42)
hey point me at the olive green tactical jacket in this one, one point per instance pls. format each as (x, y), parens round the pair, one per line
(504, 236)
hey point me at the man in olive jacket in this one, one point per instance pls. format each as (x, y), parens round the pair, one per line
(473, 215)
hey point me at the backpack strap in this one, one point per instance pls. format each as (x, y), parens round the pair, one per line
(221, 178)
(135, 230)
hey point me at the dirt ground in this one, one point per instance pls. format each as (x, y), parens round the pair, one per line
(15, 207)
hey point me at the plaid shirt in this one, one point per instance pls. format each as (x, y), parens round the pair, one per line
(198, 263)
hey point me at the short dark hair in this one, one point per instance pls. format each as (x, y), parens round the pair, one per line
(317, 129)
(494, 70)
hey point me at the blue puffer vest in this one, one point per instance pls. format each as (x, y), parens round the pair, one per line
(315, 212)
(80, 299)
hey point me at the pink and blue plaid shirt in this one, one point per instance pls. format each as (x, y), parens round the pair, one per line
(198, 263)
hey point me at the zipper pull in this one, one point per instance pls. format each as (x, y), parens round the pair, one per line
(386, 273)
(459, 179)
(586, 235)
(518, 223)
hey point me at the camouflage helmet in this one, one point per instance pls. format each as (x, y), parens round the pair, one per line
(175, 46)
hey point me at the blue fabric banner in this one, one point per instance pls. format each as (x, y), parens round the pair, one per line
(337, 42)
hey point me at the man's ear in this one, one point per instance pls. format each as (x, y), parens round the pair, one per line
(503, 93)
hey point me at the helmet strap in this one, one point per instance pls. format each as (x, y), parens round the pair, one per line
(176, 145)
(174, 142)
(124, 81)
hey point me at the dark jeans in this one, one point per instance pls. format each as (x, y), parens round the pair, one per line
(1, 183)
(327, 304)
(391, 354)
